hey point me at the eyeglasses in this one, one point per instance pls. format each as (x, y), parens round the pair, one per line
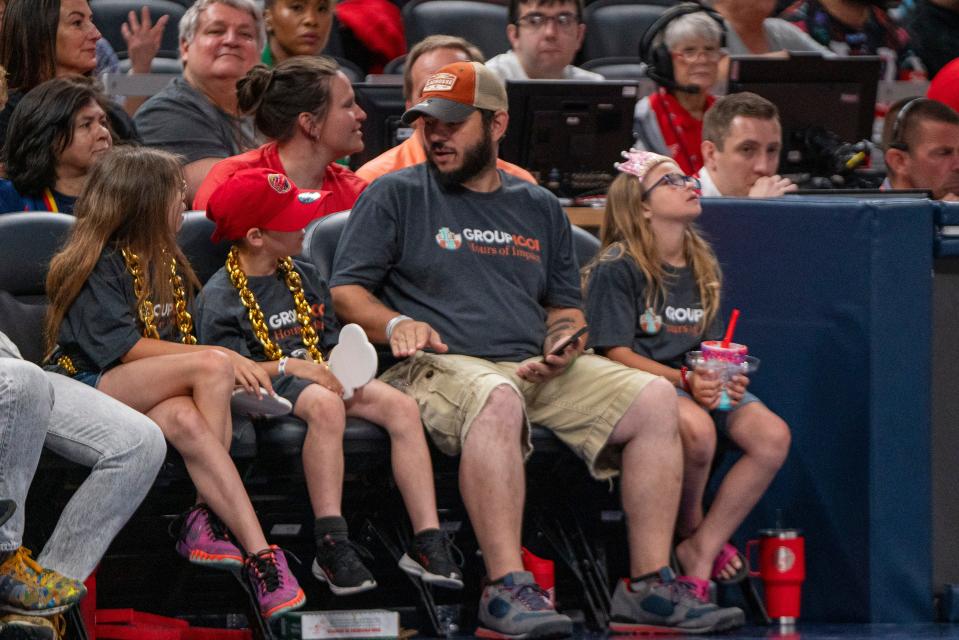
(675, 180)
(692, 54)
(564, 21)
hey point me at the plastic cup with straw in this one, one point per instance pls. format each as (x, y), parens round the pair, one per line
(728, 353)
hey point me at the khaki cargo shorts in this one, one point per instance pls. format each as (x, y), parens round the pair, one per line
(581, 406)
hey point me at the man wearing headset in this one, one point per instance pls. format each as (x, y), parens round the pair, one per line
(921, 138)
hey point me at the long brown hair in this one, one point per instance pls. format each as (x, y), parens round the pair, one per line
(125, 203)
(627, 232)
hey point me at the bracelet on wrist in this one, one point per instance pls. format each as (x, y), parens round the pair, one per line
(684, 374)
(391, 325)
(281, 365)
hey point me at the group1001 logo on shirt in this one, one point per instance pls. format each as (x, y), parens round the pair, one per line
(491, 243)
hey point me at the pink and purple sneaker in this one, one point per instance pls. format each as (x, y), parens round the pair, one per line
(204, 539)
(276, 590)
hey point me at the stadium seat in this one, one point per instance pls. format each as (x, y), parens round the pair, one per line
(482, 23)
(350, 69)
(395, 66)
(109, 15)
(205, 256)
(618, 68)
(614, 27)
(319, 243)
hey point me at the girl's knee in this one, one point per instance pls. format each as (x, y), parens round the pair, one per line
(698, 433)
(769, 440)
(214, 365)
(185, 428)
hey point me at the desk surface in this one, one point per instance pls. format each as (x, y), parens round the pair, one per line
(587, 217)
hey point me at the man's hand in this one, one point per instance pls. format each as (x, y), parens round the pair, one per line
(409, 336)
(143, 39)
(950, 197)
(772, 187)
(552, 365)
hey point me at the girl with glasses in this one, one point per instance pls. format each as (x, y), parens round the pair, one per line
(653, 294)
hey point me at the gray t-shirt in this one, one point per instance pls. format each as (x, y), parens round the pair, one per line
(222, 320)
(481, 268)
(508, 67)
(618, 317)
(102, 323)
(780, 36)
(181, 120)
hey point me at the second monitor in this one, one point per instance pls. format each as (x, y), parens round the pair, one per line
(569, 133)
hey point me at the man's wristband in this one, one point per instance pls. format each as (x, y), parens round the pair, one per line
(684, 380)
(392, 325)
(281, 365)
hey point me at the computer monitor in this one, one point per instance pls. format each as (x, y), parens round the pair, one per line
(569, 133)
(812, 94)
(384, 106)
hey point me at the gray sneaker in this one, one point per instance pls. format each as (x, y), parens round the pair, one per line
(517, 607)
(663, 604)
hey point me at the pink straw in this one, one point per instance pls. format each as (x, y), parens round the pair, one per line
(733, 319)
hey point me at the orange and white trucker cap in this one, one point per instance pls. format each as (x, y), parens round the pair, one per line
(456, 90)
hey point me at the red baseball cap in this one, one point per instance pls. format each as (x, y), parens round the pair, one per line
(264, 199)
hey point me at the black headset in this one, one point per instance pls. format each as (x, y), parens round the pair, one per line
(895, 137)
(658, 59)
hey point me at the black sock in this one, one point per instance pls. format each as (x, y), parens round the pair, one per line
(333, 526)
(635, 582)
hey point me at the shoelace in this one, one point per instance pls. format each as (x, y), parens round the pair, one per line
(681, 589)
(21, 561)
(265, 570)
(217, 527)
(533, 596)
(346, 553)
(59, 623)
(445, 543)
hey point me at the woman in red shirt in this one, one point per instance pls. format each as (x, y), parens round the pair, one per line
(306, 107)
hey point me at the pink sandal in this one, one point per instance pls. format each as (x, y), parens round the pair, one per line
(723, 560)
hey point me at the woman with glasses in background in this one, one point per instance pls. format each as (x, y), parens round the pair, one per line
(684, 61)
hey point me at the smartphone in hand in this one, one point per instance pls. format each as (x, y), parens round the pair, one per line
(562, 344)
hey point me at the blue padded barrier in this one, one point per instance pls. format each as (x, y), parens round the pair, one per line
(836, 300)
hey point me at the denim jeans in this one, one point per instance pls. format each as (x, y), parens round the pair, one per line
(123, 448)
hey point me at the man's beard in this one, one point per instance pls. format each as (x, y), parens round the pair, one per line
(476, 159)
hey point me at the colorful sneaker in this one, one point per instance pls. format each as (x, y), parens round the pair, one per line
(663, 603)
(204, 539)
(339, 565)
(277, 591)
(517, 607)
(18, 627)
(430, 558)
(29, 589)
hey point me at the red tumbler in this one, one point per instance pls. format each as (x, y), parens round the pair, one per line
(782, 568)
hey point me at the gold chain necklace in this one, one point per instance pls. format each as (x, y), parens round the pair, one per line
(145, 310)
(255, 313)
(184, 320)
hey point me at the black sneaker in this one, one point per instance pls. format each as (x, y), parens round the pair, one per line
(430, 558)
(339, 565)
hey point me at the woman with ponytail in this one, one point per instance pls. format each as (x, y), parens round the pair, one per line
(306, 107)
(652, 294)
